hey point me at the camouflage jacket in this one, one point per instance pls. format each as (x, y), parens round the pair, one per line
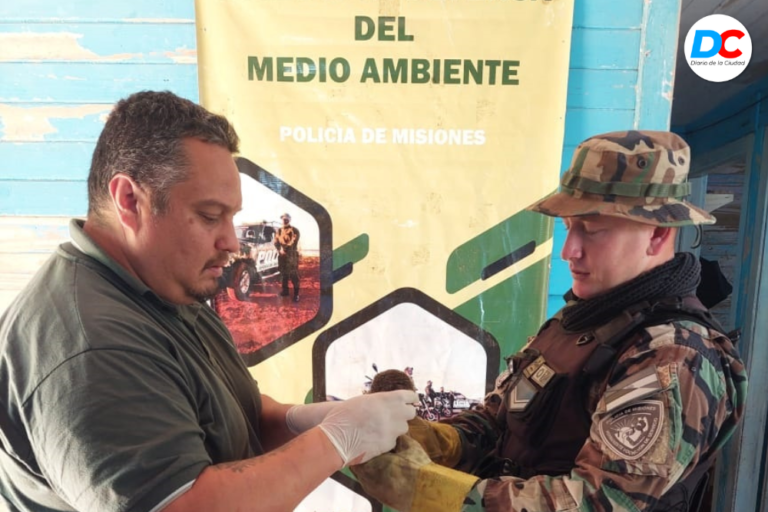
(702, 394)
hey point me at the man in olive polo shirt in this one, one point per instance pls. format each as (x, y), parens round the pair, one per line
(120, 389)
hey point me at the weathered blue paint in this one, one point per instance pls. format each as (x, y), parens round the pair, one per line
(65, 160)
(42, 10)
(91, 83)
(582, 123)
(605, 14)
(125, 42)
(106, 51)
(604, 49)
(67, 198)
(601, 89)
(657, 64)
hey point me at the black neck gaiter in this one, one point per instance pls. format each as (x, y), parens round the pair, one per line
(678, 277)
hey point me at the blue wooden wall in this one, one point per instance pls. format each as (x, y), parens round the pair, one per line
(63, 64)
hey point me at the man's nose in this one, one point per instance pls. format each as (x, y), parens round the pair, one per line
(228, 240)
(571, 248)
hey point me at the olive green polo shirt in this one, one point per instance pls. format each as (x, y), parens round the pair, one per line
(112, 399)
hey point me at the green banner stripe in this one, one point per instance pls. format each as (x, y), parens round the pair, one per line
(466, 263)
(513, 309)
(351, 252)
(571, 182)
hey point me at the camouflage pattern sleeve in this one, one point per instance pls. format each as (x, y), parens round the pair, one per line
(478, 430)
(673, 398)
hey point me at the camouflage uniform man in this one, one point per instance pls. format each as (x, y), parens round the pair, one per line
(623, 398)
(287, 243)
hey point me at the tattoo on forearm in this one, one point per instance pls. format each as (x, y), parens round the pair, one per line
(240, 466)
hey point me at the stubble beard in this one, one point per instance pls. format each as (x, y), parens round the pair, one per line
(202, 293)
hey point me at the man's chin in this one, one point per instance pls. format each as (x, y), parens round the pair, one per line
(204, 293)
(584, 292)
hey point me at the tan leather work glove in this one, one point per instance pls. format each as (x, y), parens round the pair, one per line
(408, 481)
(440, 441)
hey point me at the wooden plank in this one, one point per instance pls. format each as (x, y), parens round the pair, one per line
(30, 236)
(7, 296)
(717, 156)
(80, 10)
(57, 198)
(24, 122)
(25, 244)
(737, 488)
(607, 14)
(737, 126)
(45, 160)
(604, 49)
(23, 264)
(657, 64)
(743, 103)
(148, 43)
(91, 83)
(583, 123)
(601, 88)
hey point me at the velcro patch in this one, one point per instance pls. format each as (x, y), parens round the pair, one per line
(631, 432)
(636, 387)
(520, 395)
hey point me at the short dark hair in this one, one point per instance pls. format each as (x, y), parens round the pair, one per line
(143, 137)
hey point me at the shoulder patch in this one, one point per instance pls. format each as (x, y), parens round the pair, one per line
(632, 431)
(635, 387)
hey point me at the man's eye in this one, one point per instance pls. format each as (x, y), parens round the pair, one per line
(208, 218)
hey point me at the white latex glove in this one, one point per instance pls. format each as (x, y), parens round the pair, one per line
(368, 425)
(303, 417)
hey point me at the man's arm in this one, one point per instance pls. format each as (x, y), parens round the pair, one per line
(354, 431)
(628, 462)
(274, 482)
(121, 434)
(619, 469)
(273, 423)
(463, 441)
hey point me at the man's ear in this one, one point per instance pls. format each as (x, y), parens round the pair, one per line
(660, 238)
(129, 200)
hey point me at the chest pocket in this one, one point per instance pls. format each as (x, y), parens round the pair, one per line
(532, 400)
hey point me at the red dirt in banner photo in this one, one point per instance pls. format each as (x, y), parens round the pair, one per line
(267, 316)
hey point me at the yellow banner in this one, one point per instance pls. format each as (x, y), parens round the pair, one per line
(416, 130)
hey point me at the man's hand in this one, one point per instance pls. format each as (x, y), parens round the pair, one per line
(365, 426)
(408, 481)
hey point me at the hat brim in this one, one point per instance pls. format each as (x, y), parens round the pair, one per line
(670, 213)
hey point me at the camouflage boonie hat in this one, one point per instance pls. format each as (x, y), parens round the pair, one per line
(637, 175)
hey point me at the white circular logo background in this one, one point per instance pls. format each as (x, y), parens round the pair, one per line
(705, 35)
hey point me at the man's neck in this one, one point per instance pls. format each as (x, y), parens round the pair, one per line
(109, 236)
